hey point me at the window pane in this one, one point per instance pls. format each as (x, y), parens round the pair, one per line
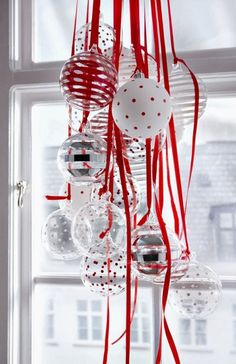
(145, 330)
(226, 220)
(215, 158)
(82, 305)
(96, 306)
(184, 331)
(213, 337)
(96, 328)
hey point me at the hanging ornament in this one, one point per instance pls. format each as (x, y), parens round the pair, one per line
(100, 279)
(99, 122)
(80, 195)
(82, 158)
(128, 65)
(96, 223)
(183, 97)
(106, 39)
(149, 254)
(197, 294)
(56, 237)
(88, 81)
(141, 108)
(133, 191)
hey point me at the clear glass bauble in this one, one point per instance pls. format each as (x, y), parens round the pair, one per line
(117, 199)
(197, 293)
(106, 39)
(56, 237)
(99, 224)
(149, 254)
(99, 279)
(88, 81)
(128, 65)
(182, 95)
(82, 158)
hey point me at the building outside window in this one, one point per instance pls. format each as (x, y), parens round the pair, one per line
(193, 332)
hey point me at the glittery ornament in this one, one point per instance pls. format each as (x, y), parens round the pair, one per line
(99, 279)
(56, 237)
(96, 222)
(197, 294)
(106, 39)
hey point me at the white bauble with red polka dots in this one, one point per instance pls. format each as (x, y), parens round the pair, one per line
(141, 108)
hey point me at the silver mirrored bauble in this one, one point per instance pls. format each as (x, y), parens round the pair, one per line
(82, 158)
(149, 254)
(56, 237)
(197, 294)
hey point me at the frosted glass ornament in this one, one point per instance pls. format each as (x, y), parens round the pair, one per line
(141, 108)
(149, 254)
(197, 294)
(106, 39)
(80, 195)
(56, 237)
(82, 158)
(96, 222)
(182, 95)
(128, 65)
(99, 279)
(88, 81)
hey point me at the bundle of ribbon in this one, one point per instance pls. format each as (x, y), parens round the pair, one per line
(139, 104)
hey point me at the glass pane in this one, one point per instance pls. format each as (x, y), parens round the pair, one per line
(96, 305)
(206, 24)
(68, 345)
(198, 31)
(82, 305)
(215, 158)
(214, 336)
(49, 130)
(226, 220)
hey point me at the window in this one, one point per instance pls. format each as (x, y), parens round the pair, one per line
(224, 220)
(90, 320)
(50, 321)
(193, 332)
(234, 324)
(141, 325)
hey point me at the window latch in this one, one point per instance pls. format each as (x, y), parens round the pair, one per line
(21, 188)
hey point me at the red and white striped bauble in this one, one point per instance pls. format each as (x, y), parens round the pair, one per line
(88, 81)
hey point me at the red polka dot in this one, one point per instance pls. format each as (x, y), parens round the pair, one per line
(140, 86)
(118, 103)
(143, 113)
(127, 116)
(164, 100)
(125, 89)
(152, 99)
(135, 127)
(81, 192)
(158, 114)
(133, 100)
(149, 127)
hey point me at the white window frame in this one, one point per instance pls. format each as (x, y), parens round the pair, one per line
(13, 277)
